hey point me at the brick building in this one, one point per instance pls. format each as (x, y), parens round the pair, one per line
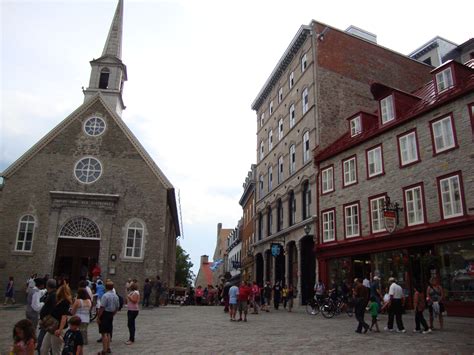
(417, 150)
(88, 192)
(247, 201)
(322, 77)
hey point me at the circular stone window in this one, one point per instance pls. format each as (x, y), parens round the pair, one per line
(94, 126)
(88, 170)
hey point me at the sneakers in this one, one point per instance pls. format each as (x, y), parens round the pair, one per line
(426, 331)
(387, 329)
(416, 331)
(401, 331)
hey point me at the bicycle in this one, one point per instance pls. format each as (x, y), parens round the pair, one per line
(313, 306)
(332, 307)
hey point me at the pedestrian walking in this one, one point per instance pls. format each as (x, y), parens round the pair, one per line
(56, 321)
(233, 300)
(419, 305)
(276, 295)
(267, 294)
(109, 305)
(24, 338)
(96, 272)
(360, 296)
(158, 286)
(33, 302)
(395, 306)
(375, 290)
(199, 295)
(319, 290)
(291, 296)
(434, 299)
(133, 300)
(10, 291)
(82, 309)
(255, 297)
(284, 295)
(73, 340)
(146, 293)
(374, 312)
(244, 297)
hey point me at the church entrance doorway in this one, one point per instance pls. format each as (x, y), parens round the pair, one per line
(77, 250)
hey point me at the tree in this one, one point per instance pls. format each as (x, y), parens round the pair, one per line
(184, 275)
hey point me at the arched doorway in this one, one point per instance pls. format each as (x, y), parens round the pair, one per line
(259, 269)
(308, 268)
(292, 265)
(77, 250)
(280, 266)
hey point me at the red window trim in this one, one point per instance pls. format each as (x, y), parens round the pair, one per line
(409, 187)
(359, 217)
(350, 128)
(333, 179)
(470, 107)
(383, 194)
(332, 209)
(394, 110)
(440, 201)
(439, 118)
(356, 174)
(400, 163)
(451, 66)
(367, 161)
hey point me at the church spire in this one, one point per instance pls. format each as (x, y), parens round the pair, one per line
(113, 45)
(108, 73)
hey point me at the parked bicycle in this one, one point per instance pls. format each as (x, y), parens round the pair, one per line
(313, 306)
(332, 307)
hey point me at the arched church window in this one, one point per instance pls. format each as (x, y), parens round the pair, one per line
(134, 241)
(80, 228)
(24, 239)
(88, 170)
(104, 78)
(94, 126)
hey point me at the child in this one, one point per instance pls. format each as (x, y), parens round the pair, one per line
(419, 303)
(24, 337)
(374, 311)
(73, 341)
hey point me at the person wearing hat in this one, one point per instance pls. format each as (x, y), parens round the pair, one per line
(395, 306)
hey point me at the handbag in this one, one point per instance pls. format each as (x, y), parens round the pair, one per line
(49, 324)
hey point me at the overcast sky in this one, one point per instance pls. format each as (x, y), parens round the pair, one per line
(194, 67)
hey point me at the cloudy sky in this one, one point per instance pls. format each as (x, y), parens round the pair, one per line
(194, 67)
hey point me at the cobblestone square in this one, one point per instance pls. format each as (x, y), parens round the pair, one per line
(207, 330)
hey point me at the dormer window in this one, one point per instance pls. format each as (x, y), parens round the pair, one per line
(355, 126)
(444, 80)
(104, 78)
(386, 109)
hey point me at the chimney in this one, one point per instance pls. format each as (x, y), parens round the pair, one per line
(219, 227)
(361, 33)
(204, 259)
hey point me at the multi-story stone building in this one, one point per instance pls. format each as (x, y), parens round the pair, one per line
(88, 192)
(247, 201)
(462, 53)
(234, 252)
(415, 150)
(322, 77)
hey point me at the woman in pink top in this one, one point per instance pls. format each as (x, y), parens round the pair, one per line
(133, 299)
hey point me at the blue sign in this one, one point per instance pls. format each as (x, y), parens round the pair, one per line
(275, 250)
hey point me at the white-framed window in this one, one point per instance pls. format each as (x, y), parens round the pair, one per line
(292, 159)
(414, 206)
(280, 95)
(376, 214)
(304, 63)
(306, 200)
(94, 126)
(327, 180)
(306, 151)
(24, 236)
(350, 174)
(80, 228)
(135, 240)
(280, 169)
(374, 161)
(270, 139)
(444, 80)
(262, 119)
(262, 150)
(269, 221)
(443, 134)
(451, 199)
(280, 129)
(260, 186)
(356, 127)
(292, 79)
(270, 178)
(305, 100)
(88, 170)
(328, 226)
(351, 215)
(292, 116)
(292, 209)
(386, 107)
(271, 107)
(408, 148)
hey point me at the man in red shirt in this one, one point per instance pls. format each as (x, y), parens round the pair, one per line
(244, 295)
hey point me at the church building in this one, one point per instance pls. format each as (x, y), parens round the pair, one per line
(89, 193)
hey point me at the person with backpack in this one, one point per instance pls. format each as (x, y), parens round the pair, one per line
(319, 290)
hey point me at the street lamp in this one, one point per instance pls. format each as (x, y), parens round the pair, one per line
(307, 229)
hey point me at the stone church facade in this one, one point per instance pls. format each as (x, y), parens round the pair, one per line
(88, 192)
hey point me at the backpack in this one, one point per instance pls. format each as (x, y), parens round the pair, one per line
(121, 301)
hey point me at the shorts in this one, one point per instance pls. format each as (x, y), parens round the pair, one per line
(441, 308)
(233, 306)
(106, 323)
(243, 306)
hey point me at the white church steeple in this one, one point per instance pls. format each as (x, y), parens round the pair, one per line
(108, 73)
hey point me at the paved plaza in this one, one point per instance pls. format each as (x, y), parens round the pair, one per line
(207, 330)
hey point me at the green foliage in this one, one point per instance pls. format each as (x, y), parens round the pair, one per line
(184, 275)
